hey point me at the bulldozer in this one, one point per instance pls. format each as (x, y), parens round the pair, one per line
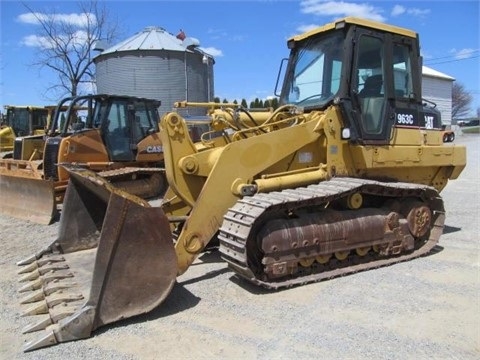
(22, 121)
(344, 176)
(30, 145)
(117, 136)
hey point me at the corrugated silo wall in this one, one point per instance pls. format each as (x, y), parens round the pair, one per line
(199, 78)
(154, 74)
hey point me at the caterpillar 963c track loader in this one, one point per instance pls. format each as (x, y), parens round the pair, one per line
(344, 176)
(116, 136)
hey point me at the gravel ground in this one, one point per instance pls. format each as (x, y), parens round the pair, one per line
(423, 309)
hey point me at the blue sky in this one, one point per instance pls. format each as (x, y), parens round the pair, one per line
(248, 38)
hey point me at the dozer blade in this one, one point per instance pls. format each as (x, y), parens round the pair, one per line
(28, 199)
(114, 258)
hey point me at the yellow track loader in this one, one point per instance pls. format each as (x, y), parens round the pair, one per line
(22, 121)
(114, 135)
(344, 176)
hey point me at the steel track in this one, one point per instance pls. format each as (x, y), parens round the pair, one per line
(243, 220)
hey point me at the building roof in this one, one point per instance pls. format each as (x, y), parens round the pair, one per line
(154, 38)
(426, 71)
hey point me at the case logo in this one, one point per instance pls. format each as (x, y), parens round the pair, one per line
(154, 149)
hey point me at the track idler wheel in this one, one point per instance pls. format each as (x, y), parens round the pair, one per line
(419, 218)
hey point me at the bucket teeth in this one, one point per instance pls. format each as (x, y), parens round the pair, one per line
(41, 307)
(56, 275)
(39, 325)
(27, 261)
(46, 302)
(28, 268)
(51, 267)
(55, 315)
(61, 298)
(34, 297)
(61, 312)
(47, 273)
(50, 260)
(49, 287)
(66, 324)
(33, 275)
(32, 285)
(57, 285)
(47, 340)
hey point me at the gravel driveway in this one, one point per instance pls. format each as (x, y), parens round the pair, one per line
(427, 308)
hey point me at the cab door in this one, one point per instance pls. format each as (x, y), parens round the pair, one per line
(370, 85)
(407, 85)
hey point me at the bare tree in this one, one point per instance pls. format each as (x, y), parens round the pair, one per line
(66, 44)
(461, 100)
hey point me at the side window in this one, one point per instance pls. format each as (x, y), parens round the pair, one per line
(336, 76)
(20, 122)
(370, 83)
(145, 122)
(402, 71)
(117, 118)
(39, 120)
(118, 134)
(370, 66)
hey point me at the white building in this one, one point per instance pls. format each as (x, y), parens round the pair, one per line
(437, 88)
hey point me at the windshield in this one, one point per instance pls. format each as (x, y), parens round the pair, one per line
(314, 72)
(18, 120)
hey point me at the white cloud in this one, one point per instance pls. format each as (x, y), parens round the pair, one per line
(78, 38)
(306, 27)
(31, 18)
(212, 51)
(79, 20)
(418, 12)
(425, 55)
(238, 38)
(401, 10)
(463, 53)
(398, 10)
(37, 41)
(217, 33)
(341, 9)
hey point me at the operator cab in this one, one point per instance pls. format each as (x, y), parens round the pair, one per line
(371, 70)
(26, 120)
(124, 122)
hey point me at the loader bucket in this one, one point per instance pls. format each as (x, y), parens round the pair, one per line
(28, 199)
(114, 258)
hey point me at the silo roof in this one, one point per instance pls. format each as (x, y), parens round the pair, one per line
(153, 38)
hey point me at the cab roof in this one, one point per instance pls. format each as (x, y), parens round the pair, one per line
(355, 21)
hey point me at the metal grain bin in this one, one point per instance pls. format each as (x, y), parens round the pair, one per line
(156, 64)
